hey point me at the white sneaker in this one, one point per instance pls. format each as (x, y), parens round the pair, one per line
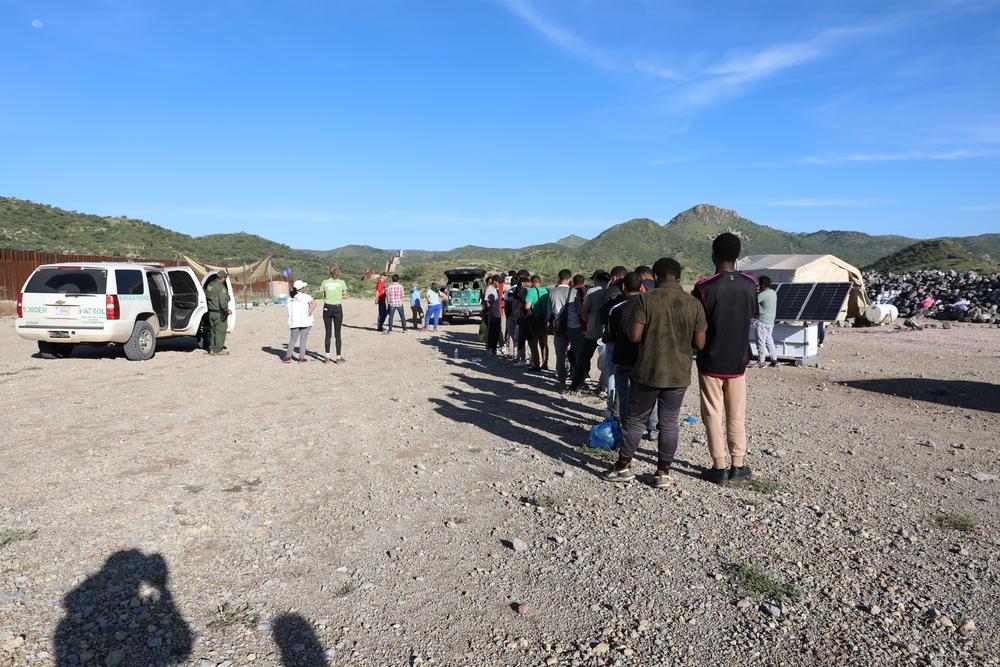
(339, 360)
(326, 358)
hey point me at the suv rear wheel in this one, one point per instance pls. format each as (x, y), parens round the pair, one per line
(54, 350)
(141, 345)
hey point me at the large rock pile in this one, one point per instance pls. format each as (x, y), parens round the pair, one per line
(967, 297)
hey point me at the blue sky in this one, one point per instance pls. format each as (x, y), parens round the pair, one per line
(431, 124)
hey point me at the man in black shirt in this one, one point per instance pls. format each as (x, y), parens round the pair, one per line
(730, 302)
(624, 351)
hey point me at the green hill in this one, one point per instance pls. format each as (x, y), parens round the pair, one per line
(857, 248)
(572, 241)
(688, 237)
(942, 254)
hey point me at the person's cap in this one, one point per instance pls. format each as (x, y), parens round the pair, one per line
(299, 284)
(222, 273)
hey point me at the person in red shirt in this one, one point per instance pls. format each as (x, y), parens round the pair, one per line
(383, 309)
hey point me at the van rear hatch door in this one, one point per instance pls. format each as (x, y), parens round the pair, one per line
(65, 297)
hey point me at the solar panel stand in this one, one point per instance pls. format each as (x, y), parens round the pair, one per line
(796, 339)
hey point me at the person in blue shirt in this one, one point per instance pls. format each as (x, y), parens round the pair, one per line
(415, 308)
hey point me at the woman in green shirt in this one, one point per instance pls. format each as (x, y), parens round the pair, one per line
(334, 293)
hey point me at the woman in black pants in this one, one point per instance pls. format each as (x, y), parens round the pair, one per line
(334, 291)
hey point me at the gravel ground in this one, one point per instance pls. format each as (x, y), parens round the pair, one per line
(410, 507)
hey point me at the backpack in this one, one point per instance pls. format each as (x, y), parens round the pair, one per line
(540, 311)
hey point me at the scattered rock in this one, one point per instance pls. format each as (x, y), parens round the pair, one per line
(515, 544)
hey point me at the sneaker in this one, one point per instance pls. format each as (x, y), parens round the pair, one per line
(520, 364)
(741, 474)
(761, 364)
(661, 479)
(619, 475)
(340, 360)
(718, 476)
(303, 360)
(651, 435)
(222, 353)
(774, 363)
(286, 360)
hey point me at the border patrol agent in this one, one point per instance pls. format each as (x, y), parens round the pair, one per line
(217, 295)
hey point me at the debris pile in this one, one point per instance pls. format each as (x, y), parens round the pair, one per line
(966, 297)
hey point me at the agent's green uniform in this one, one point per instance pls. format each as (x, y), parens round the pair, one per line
(218, 307)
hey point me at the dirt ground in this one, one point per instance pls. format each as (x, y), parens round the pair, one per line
(410, 507)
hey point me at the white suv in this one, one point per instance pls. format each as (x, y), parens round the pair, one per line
(109, 302)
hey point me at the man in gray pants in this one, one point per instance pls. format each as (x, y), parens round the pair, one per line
(767, 307)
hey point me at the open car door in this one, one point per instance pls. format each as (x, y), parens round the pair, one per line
(188, 303)
(231, 320)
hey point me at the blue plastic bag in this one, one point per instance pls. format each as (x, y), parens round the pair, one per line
(605, 435)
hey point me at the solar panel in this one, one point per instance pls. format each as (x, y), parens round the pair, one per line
(811, 302)
(791, 298)
(825, 302)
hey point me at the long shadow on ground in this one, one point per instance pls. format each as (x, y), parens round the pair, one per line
(955, 393)
(520, 407)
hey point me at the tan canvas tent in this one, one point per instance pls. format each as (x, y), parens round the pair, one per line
(810, 269)
(261, 270)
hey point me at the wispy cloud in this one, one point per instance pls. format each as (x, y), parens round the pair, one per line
(909, 155)
(562, 37)
(729, 77)
(733, 75)
(37, 24)
(811, 203)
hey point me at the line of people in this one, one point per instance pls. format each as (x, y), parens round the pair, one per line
(649, 331)
(390, 301)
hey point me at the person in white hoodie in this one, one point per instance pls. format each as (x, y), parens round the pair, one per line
(300, 320)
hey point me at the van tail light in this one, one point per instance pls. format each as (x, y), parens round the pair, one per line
(111, 310)
(20, 308)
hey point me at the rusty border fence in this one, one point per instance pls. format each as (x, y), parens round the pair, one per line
(17, 265)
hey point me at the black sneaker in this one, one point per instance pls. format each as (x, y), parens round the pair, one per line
(741, 474)
(718, 476)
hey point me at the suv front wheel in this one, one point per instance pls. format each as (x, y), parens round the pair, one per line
(141, 345)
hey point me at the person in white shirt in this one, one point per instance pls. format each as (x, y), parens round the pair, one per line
(300, 320)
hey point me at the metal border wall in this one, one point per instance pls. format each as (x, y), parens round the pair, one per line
(17, 265)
